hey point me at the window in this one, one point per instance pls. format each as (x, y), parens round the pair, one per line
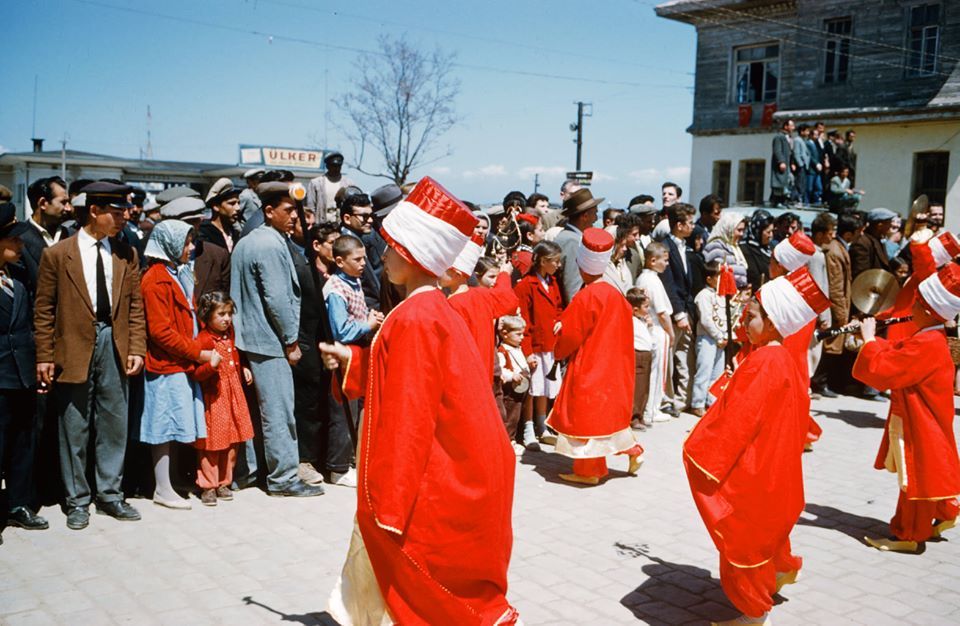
(930, 175)
(721, 181)
(750, 183)
(923, 39)
(756, 73)
(837, 53)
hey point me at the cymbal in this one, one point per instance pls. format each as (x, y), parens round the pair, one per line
(874, 291)
(920, 205)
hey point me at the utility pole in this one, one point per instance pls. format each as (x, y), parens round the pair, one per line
(63, 157)
(536, 183)
(584, 109)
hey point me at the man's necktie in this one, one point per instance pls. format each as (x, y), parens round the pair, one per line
(103, 296)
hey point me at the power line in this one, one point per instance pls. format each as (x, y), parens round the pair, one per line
(320, 44)
(727, 24)
(748, 17)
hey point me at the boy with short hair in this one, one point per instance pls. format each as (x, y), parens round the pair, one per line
(711, 339)
(642, 350)
(515, 376)
(655, 263)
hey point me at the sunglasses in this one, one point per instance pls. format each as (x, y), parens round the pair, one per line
(363, 217)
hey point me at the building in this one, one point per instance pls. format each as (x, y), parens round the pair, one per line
(886, 68)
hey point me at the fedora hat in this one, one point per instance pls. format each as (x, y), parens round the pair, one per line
(579, 201)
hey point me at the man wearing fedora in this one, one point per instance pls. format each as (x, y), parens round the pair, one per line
(322, 190)
(90, 337)
(580, 211)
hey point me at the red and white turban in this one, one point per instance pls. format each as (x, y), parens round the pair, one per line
(430, 227)
(795, 251)
(792, 301)
(941, 291)
(596, 248)
(466, 261)
(944, 248)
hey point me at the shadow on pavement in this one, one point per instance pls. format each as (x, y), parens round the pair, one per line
(313, 619)
(857, 419)
(550, 464)
(673, 592)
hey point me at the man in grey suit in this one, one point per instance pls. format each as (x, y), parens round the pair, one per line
(580, 211)
(780, 164)
(265, 288)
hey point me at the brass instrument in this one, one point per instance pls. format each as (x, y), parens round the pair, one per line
(844, 330)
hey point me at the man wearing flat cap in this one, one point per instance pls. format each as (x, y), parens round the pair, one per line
(223, 200)
(266, 290)
(580, 211)
(91, 336)
(868, 252)
(322, 190)
(249, 200)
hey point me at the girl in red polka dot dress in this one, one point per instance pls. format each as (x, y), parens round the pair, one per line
(228, 419)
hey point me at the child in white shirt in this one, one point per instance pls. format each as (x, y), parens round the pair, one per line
(661, 332)
(711, 339)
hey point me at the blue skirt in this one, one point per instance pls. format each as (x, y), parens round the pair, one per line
(172, 409)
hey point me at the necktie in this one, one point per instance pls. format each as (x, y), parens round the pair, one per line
(103, 296)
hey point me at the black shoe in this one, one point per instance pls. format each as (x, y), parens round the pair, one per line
(25, 518)
(118, 510)
(298, 489)
(671, 411)
(827, 392)
(78, 517)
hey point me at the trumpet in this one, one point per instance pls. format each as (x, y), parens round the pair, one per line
(552, 374)
(843, 330)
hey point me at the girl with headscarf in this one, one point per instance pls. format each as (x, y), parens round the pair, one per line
(173, 403)
(756, 248)
(723, 245)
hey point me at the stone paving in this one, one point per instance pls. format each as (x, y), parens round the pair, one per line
(632, 550)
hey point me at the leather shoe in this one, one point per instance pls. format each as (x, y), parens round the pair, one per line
(827, 392)
(118, 510)
(297, 489)
(23, 517)
(78, 517)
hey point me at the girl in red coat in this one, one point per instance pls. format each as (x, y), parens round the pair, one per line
(540, 307)
(226, 412)
(918, 443)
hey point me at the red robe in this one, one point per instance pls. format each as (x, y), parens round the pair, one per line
(743, 458)
(918, 372)
(596, 397)
(799, 344)
(923, 267)
(480, 307)
(435, 473)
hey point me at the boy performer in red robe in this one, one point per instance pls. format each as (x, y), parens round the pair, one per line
(928, 254)
(743, 458)
(433, 532)
(480, 307)
(918, 442)
(595, 403)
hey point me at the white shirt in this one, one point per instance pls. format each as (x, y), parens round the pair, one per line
(88, 257)
(650, 282)
(48, 239)
(642, 339)
(682, 247)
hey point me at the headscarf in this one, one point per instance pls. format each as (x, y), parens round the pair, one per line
(755, 227)
(724, 229)
(167, 241)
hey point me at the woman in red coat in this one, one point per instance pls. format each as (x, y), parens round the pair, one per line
(173, 404)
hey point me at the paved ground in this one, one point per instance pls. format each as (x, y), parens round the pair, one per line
(632, 550)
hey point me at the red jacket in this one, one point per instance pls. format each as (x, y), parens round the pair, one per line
(171, 347)
(541, 309)
(923, 267)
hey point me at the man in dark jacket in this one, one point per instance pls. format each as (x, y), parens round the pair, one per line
(48, 201)
(867, 251)
(780, 164)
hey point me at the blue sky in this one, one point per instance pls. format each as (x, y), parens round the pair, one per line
(211, 83)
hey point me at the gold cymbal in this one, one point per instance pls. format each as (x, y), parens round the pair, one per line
(874, 291)
(920, 205)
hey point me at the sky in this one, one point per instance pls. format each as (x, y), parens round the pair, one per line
(219, 73)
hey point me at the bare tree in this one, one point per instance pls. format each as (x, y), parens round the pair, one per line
(402, 102)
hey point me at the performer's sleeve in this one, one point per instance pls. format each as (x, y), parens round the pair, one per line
(354, 376)
(885, 365)
(525, 298)
(577, 322)
(505, 299)
(403, 428)
(923, 264)
(716, 443)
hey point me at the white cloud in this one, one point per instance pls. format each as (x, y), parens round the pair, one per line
(653, 175)
(680, 171)
(600, 177)
(543, 170)
(494, 170)
(441, 170)
(4, 149)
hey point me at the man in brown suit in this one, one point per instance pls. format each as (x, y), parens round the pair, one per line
(839, 277)
(867, 251)
(91, 336)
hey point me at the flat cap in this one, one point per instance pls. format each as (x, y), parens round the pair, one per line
(183, 208)
(642, 209)
(385, 198)
(880, 215)
(139, 195)
(256, 171)
(333, 157)
(108, 194)
(172, 193)
(221, 190)
(270, 193)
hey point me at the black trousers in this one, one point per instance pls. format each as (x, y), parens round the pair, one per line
(18, 437)
(311, 386)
